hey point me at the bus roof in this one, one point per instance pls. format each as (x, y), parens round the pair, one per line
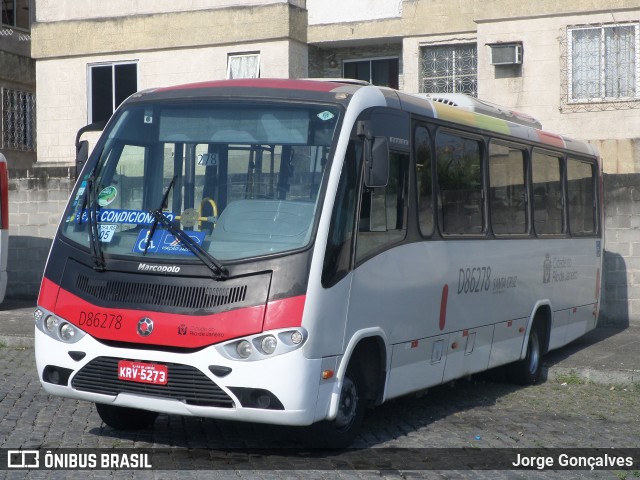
(458, 112)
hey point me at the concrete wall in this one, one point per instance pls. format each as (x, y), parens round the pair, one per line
(62, 84)
(38, 197)
(183, 47)
(64, 10)
(339, 11)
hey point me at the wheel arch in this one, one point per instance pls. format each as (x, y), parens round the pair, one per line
(541, 317)
(369, 349)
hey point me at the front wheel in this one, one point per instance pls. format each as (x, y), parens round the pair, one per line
(529, 370)
(340, 432)
(125, 418)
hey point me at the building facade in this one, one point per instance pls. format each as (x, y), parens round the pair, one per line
(572, 65)
(17, 85)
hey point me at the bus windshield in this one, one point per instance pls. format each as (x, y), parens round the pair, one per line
(235, 180)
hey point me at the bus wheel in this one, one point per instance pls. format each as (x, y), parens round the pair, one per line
(529, 370)
(124, 418)
(340, 432)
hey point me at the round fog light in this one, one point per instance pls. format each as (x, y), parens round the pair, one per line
(269, 344)
(244, 349)
(51, 323)
(67, 332)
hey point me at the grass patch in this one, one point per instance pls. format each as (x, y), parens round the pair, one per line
(570, 379)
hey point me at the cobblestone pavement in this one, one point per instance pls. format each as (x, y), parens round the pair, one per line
(561, 413)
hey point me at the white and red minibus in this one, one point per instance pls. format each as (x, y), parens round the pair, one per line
(294, 251)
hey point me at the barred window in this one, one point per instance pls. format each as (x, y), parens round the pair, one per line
(450, 69)
(603, 63)
(18, 120)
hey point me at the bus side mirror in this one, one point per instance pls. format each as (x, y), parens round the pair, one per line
(82, 154)
(376, 161)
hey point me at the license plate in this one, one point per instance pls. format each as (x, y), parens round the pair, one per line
(143, 372)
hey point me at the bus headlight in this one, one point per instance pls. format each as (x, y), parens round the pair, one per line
(51, 323)
(244, 349)
(264, 345)
(269, 344)
(68, 332)
(56, 328)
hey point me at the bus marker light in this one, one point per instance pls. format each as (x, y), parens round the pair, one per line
(521, 330)
(454, 345)
(327, 374)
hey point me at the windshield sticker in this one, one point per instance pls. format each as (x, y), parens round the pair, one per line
(106, 196)
(325, 115)
(164, 242)
(136, 217)
(208, 159)
(105, 232)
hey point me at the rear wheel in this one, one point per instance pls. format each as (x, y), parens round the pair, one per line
(528, 371)
(340, 432)
(125, 418)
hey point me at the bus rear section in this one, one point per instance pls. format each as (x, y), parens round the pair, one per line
(4, 224)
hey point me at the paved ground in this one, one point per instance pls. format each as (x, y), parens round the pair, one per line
(590, 400)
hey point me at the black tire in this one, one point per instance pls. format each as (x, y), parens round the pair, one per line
(342, 431)
(529, 370)
(124, 418)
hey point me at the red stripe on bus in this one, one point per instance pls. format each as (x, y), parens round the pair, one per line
(176, 330)
(48, 294)
(284, 313)
(443, 306)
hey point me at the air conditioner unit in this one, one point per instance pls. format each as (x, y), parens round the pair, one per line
(506, 53)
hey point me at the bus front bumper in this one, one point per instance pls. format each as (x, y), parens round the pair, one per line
(285, 389)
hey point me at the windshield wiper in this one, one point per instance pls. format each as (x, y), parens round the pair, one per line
(91, 201)
(163, 204)
(219, 270)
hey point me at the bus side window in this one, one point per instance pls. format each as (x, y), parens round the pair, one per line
(459, 170)
(507, 190)
(383, 210)
(548, 200)
(422, 152)
(581, 185)
(337, 257)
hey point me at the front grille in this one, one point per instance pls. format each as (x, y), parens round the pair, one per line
(160, 294)
(186, 384)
